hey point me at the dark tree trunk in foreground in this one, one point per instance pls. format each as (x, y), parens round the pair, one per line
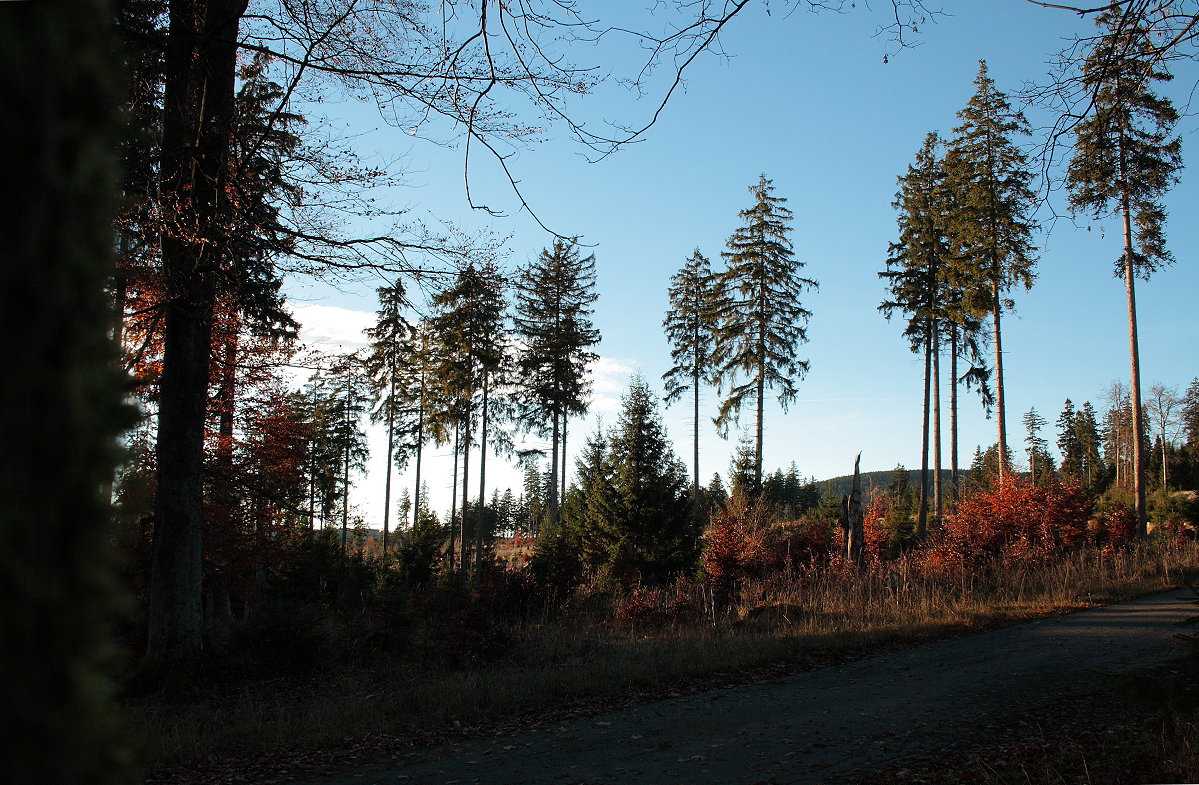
(61, 411)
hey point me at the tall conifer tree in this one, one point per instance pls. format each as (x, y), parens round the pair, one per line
(342, 395)
(691, 329)
(635, 509)
(916, 282)
(470, 324)
(993, 227)
(553, 322)
(1125, 159)
(390, 353)
(762, 321)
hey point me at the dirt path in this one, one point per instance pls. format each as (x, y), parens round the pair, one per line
(816, 726)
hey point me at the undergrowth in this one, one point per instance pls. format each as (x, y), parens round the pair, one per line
(446, 655)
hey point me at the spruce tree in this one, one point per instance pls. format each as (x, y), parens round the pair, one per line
(469, 323)
(761, 318)
(588, 511)
(1068, 443)
(342, 395)
(1086, 432)
(1040, 463)
(916, 276)
(1190, 413)
(554, 299)
(691, 330)
(648, 530)
(991, 179)
(390, 351)
(1125, 159)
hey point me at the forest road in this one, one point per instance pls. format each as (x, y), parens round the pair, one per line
(815, 726)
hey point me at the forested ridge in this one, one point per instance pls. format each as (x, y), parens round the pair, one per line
(219, 457)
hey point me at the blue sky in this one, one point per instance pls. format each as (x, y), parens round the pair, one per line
(806, 99)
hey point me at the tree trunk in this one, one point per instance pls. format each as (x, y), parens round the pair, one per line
(695, 439)
(391, 433)
(1000, 404)
(454, 502)
(464, 556)
(1165, 477)
(218, 619)
(758, 430)
(311, 487)
(937, 495)
(553, 500)
(62, 407)
(922, 515)
(954, 472)
(201, 59)
(482, 486)
(345, 472)
(562, 478)
(855, 542)
(420, 442)
(1138, 425)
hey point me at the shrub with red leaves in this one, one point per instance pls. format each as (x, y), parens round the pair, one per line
(736, 545)
(1018, 520)
(651, 608)
(1114, 525)
(874, 526)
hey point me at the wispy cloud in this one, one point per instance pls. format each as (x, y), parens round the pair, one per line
(330, 328)
(609, 381)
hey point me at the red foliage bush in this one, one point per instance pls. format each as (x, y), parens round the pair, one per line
(1114, 526)
(1016, 519)
(736, 545)
(651, 608)
(801, 542)
(874, 526)
(741, 542)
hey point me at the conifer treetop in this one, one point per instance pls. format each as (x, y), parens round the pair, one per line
(992, 183)
(762, 319)
(1126, 155)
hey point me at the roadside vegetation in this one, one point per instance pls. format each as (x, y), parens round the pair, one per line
(352, 650)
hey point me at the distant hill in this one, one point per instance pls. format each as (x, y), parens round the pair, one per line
(841, 486)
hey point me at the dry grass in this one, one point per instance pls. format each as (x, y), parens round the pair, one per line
(610, 647)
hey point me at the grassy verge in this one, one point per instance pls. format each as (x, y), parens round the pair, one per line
(610, 648)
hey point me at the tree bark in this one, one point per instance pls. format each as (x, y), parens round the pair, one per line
(852, 520)
(695, 438)
(201, 59)
(454, 502)
(391, 432)
(937, 495)
(464, 556)
(1134, 355)
(345, 476)
(420, 442)
(954, 472)
(1000, 404)
(922, 515)
(482, 486)
(553, 500)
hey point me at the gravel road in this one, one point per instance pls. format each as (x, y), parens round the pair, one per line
(815, 726)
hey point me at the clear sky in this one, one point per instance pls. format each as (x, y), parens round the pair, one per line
(806, 99)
